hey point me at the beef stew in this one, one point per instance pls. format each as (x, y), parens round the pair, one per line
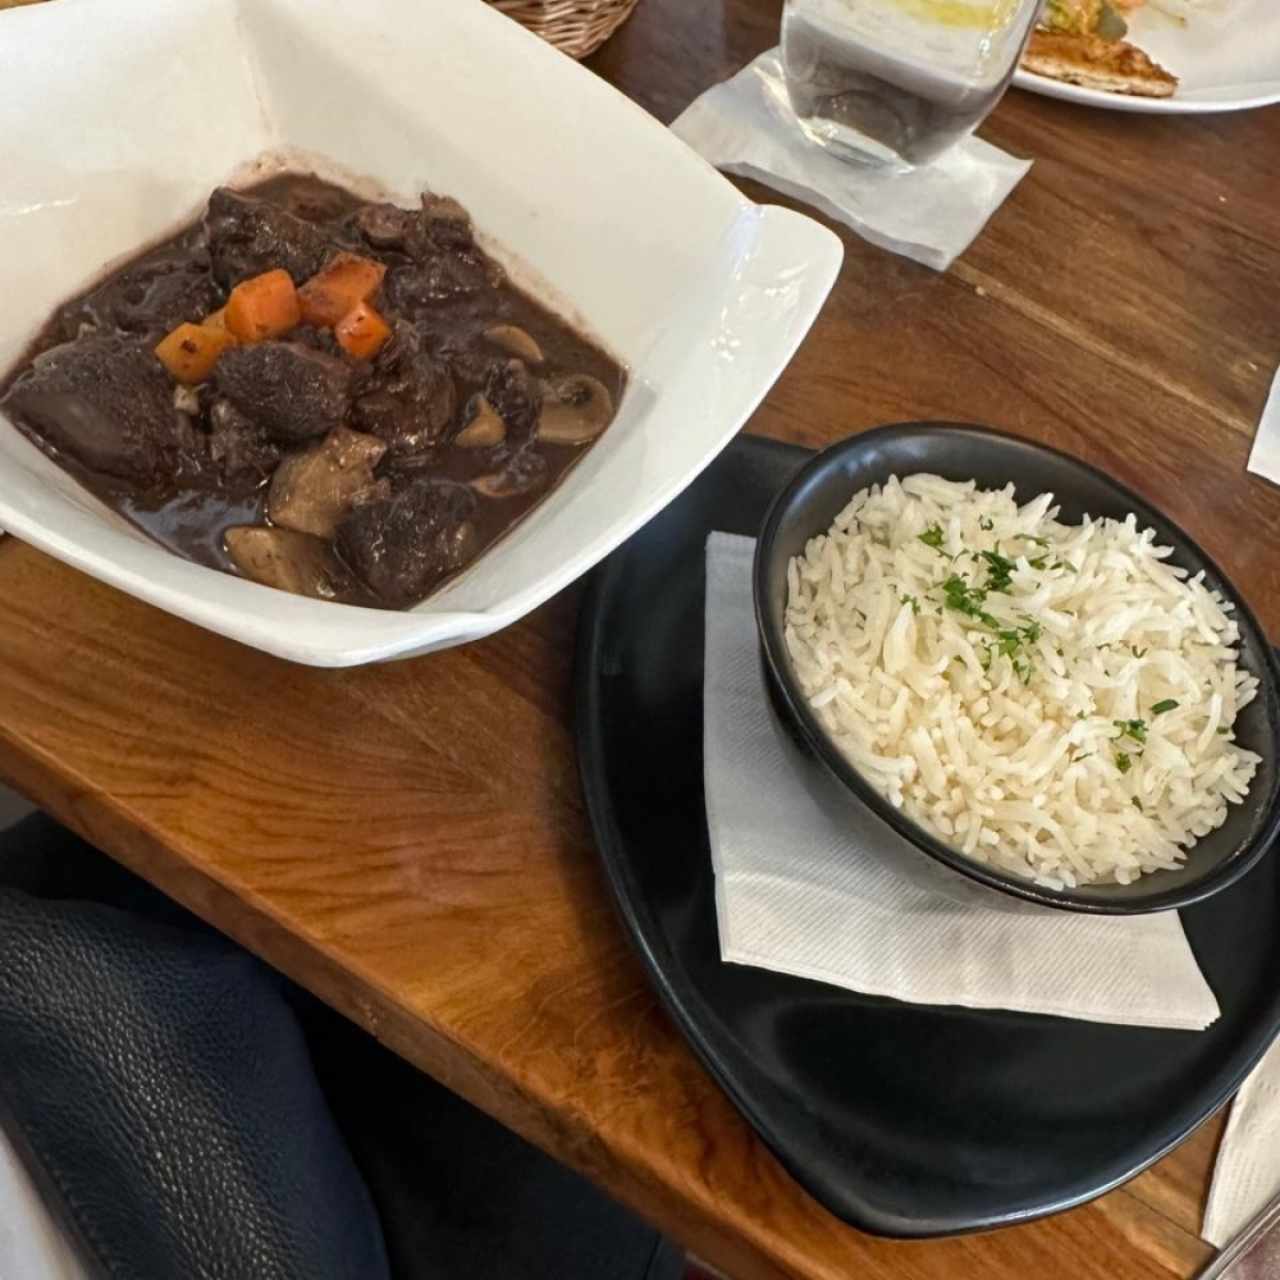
(333, 396)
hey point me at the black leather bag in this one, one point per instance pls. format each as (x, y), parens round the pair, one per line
(159, 1086)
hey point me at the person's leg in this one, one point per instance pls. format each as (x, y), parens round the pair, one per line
(458, 1191)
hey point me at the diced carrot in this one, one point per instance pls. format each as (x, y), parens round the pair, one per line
(265, 306)
(362, 331)
(191, 351)
(218, 320)
(343, 281)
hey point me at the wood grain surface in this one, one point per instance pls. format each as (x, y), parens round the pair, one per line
(409, 841)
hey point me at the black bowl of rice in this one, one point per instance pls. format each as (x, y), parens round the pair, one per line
(1022, 667)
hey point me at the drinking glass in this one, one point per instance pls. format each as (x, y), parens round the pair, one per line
(897, 82)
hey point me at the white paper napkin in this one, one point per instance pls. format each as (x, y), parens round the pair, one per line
(932, 214)
(1264, 458)
(808, 886)
(1247, 1173)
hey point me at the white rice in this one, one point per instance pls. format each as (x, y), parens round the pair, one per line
(1030, 727)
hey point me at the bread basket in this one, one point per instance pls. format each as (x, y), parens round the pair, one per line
(577, 27)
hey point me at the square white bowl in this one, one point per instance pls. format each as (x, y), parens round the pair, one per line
(116, 122)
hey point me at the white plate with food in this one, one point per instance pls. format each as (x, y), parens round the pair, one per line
(577, 195)
(1158, 56)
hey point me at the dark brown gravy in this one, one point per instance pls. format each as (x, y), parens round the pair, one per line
(191, 517)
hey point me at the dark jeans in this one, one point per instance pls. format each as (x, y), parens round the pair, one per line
(189, 1113)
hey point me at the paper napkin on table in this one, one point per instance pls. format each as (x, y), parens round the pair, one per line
(933, 213)
(807, 885)
(1264, 459)
(1247, 1173)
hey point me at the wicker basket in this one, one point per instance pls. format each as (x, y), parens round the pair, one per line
(578, 27)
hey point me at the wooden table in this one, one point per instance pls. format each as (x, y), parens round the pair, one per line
(409, 841)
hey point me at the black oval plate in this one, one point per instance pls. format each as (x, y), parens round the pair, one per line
(904, 1120)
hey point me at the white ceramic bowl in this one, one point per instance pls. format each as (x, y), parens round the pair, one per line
(116, 122)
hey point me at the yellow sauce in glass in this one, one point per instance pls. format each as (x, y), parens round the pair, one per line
(990, 16)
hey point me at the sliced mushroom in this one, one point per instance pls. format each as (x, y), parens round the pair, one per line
(512, 338)
(312, 491)
(289, 561)
(575, 408)
(525, 472)
(485, 428)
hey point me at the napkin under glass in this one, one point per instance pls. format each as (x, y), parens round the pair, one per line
(931, 214)
(808, 885)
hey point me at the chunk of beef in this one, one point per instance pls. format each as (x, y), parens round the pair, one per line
(470, 365)
(314, 200)
(440, 225)
(149, 298)
(386, 226)
(438, 278)
(446, 223)
(317, 339)
(241, 451)
(411, 398)
(517, 397)
(107, 403)
(446, 261)
(293, 392)
(324, 341)
(402, 546)
(248, 237)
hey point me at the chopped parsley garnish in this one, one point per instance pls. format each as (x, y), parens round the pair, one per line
(1137, 804)
(1009, 648)
(1169, 704)
(1135, 729)
(1223, 732)
(986, 524)
(968, 600)
(1142, 653)
(1039, 562)
(1000, 568)
(913, 601)
(1123, 763)
(932, 537)
(1008, 641)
